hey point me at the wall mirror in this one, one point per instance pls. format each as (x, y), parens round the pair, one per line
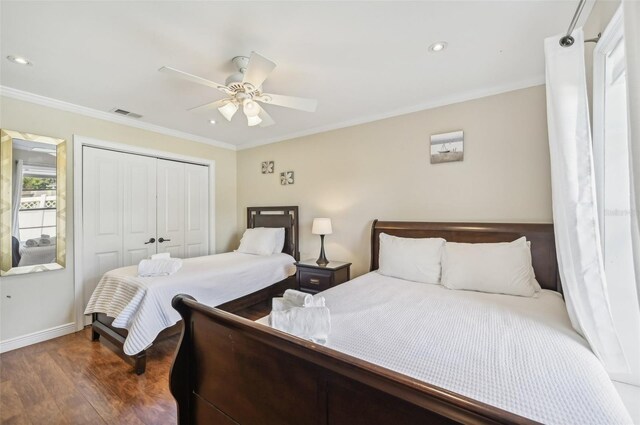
(32, 203)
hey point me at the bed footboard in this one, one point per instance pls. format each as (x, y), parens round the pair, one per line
(230, 370)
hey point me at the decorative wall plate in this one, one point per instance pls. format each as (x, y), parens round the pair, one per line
(268, 167)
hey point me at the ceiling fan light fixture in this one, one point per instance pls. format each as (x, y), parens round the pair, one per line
(250, 108)
(244, 89)
(253, 120)
(228, 110)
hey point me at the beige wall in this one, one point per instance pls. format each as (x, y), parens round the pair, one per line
(382, 170)
(44, 300)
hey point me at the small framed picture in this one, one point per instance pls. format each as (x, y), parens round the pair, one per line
(287, 178)
(447, 147)
(267, 167)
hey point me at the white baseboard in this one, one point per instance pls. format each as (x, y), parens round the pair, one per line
(34, 338)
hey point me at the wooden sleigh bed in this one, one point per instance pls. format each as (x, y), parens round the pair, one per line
(229, 370)
(285, 217)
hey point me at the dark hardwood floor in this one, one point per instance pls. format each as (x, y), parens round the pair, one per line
(71, 380)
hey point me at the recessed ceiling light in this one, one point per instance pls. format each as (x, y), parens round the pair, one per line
(438, 47)
(212, 122)
(19, 60)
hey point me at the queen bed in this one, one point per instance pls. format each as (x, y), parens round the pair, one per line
(402, 352)
(133, 312)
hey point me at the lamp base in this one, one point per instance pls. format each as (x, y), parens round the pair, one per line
(322, 259)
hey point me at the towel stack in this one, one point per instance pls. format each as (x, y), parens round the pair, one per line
(159, 265)
(43, 240)
(302, 315)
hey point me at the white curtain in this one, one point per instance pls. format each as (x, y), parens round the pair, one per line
(631, 11)
(575, 213)
(17, 195)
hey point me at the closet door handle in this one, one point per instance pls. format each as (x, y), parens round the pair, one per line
(151, 240)
(164, 240)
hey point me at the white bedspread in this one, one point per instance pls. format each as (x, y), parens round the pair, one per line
(519, 354)
(142, 305)
(32, 255)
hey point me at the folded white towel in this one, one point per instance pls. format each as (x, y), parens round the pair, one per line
(161, 256)
(44, 242)
(31, 243)
(280, 304)
(318, 301)
(313, 323)
(43, 236)
(163, 267)
(298, 298)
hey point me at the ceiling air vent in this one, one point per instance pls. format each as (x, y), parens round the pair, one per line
(126, 113)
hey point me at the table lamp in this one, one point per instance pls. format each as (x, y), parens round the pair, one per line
(322, 227)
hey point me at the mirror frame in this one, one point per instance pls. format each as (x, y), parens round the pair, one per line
(6, 202)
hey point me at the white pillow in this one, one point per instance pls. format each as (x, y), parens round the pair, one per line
(500, 268)
(279, 240)
(260, 241)
(412, 259)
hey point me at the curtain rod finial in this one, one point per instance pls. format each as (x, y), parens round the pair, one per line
(567, 41)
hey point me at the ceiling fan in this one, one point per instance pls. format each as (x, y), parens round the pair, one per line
(244, 88)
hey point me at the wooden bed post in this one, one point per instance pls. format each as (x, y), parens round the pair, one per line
(181, 375)
(95, 336)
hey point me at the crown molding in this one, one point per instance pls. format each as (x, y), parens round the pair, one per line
(107, 116)
(434, 103)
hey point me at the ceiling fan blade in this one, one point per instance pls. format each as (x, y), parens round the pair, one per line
(299, 103)
(194, 78)
(266, 118)
(210, 105)
(258, 70)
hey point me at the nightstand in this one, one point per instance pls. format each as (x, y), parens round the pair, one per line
(314, 278)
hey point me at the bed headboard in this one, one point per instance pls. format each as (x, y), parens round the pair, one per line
(286, 217)
(543, 247)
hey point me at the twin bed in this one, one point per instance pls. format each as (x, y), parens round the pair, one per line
(401, 352)
(132, 312)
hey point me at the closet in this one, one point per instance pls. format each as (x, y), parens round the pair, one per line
(134, 206)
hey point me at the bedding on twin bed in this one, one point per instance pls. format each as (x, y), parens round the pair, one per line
(142, 305)
(519, 354)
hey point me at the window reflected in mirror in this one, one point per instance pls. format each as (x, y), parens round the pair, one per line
(33, 203)
(34, 223)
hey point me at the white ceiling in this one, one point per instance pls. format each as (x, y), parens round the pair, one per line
(361, 60)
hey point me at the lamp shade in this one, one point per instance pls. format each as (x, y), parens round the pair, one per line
(255, 120)
(321, 226)
(228, 110)
(250, 108)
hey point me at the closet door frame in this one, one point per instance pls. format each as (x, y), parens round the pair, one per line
(78, 143)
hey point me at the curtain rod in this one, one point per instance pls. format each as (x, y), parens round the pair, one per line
(567, 40)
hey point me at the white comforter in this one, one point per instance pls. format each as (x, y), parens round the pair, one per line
(142, 305)
(519, 354)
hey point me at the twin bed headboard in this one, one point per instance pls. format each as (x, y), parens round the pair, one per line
(286, 217)
(543, 247)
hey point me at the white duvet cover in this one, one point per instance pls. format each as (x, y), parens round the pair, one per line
(142, 305)
(516, 353)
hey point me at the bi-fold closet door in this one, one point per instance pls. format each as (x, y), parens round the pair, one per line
(134, 206)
